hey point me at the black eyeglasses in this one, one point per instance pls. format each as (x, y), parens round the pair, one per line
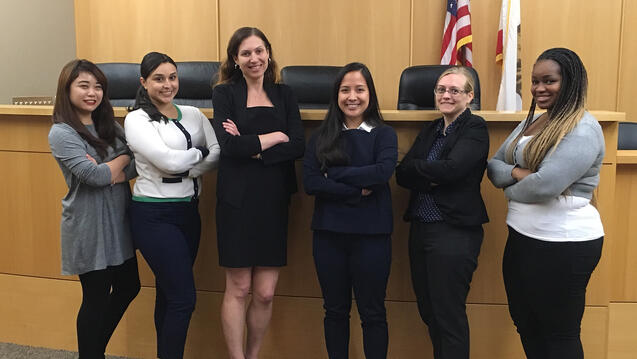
(440, 90)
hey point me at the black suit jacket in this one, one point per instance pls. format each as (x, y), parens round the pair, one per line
(454, 179)
(229, 102)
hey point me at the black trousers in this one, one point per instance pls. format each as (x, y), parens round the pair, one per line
(443, 258)
(360, 262)
(546, 290)
(167, 234)
(106, 294)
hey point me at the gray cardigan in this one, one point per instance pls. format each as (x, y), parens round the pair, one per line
(573, 166)
(94, 231)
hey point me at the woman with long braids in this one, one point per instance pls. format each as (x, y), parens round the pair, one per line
(91, 151)
(548, 168)
(347, 166)
(260, 132)
(173, 146)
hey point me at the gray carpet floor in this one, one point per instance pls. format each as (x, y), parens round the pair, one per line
(14, 351)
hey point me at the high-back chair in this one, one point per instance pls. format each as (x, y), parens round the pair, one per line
(195, 78)
(627, 136)
(416, 89)
(123, 82)
(312, 85)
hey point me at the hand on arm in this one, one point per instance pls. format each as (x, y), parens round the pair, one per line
(116, 166)
(519, 173)
(574, 156)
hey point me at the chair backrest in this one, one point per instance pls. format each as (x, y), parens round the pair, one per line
(123, 82)
(195, 82)
(416, 89)
(627, 136)
(312, 85)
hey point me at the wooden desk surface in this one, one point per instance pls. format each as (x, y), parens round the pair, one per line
(627, 157)
(317, 115)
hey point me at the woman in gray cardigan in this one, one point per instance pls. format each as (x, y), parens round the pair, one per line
(548, 168)
(91, 151)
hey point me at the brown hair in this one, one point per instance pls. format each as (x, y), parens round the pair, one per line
(228, 72)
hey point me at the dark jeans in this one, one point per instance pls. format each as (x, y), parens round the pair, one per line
(362, 262)
(106, 294)
(167, 235)
(443, 258)
(546, 289)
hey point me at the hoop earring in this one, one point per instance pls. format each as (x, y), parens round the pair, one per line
(269, 59)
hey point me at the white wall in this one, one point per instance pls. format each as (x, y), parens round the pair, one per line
(37, 37)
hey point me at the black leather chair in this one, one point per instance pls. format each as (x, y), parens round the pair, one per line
(312, 85)
(195, 83)
(627, 136)
(416, 89)
(195, 78)
(123, 82)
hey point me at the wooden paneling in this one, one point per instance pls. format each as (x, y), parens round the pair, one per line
(30, 136)
(590, 28)
(124, 31)
(624, 245)
(27, 319)
(31, 189)
(544, 25)
(627, 86)
(387, 36)
(622, 331)
(329, 32)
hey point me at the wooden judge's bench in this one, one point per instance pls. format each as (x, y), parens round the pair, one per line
(38, 306)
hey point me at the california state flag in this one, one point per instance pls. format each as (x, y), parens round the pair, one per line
(508, 54)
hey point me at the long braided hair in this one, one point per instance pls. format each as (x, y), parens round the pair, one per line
(565, 113)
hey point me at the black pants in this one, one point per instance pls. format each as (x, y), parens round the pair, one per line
(546, 289)
(167, 235)
(361, 262)
(106, 294)
(443, 258)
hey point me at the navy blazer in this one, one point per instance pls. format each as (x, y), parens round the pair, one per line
(229, 101)
(454, 179)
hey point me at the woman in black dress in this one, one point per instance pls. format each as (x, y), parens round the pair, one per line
(259, 129)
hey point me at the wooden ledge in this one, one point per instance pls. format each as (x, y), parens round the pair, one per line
(317, 115)
(626, 156)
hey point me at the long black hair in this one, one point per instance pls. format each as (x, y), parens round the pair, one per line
(150, 62)
(329, 149)
(103, 117)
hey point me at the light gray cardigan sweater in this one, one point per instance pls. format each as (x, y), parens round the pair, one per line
(94, 231)
(573, 166)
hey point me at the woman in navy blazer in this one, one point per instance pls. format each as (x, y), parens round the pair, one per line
(347, 166)
(260, 132)
(443, 169)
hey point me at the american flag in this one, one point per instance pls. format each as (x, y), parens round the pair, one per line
(456, 39)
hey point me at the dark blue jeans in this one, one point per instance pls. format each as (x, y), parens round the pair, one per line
(360, 262)
(167, 234)
(546, 290)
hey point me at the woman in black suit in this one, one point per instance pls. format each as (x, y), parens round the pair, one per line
(443, 169)
(259, 129)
